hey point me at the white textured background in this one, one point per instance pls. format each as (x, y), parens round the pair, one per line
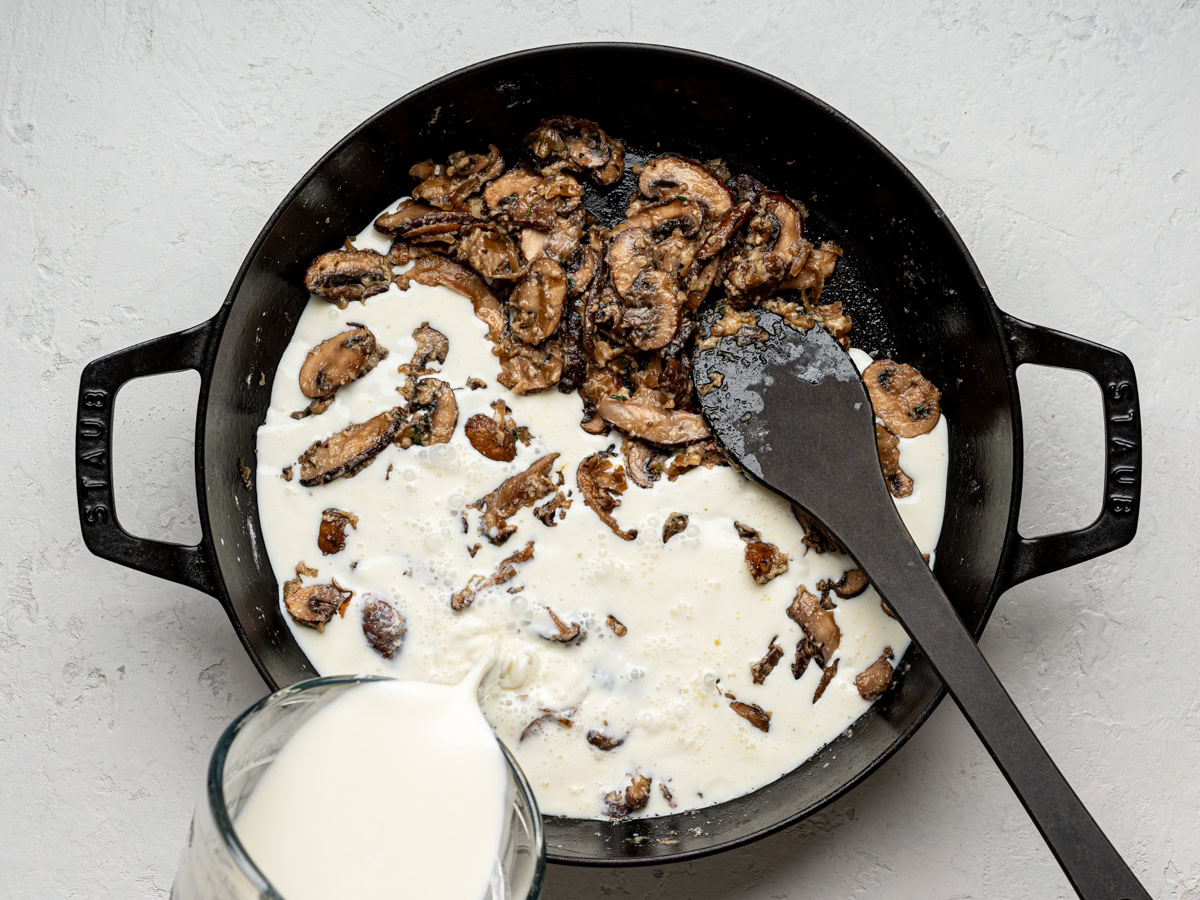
(142, 145)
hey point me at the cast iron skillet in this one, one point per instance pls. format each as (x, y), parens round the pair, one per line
(907, 279)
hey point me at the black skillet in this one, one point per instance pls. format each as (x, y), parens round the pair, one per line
(908, 281)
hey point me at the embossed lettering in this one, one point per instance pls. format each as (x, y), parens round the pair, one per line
(1122, 417)
(92, 428)
(1118, 389)
(95, 399)
(95, 514)
(1126, 475)
(93, 483)
(96, 457)
(1120, 505)
(1120, 443)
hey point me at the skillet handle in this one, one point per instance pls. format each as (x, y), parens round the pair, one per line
(99, 385)
(1117, 522)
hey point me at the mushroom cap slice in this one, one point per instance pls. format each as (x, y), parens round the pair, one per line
(432, 415)
(490, 252)
(565, 142)
(629, 254)
(505, 192)
(340, 276)
(437, 270)
(650, 312)
(724, 230)
(818, 623)
(663, 218)
(314, 605)
(339, 360)
(678, 176)
(350, 449)
(600, 484)
(653, 422)
(448, 186)
(903, 399)
(533, 243)
(413, 219)
(383, 627)
(536, 303)
(493, 436)
(888, 445)
(432, 346)
(875, 678)
(643, 464)
(513, 494)
(525, 369)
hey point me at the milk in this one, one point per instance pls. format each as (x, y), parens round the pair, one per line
(395, 789)
(694, 617)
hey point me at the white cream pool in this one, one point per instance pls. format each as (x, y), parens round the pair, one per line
(693, 613)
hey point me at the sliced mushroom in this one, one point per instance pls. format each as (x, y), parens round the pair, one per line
(615, 624)
(770, 250)
(580, 145)
(676, 523)
(432, 415)
(630, 253)
(505, 572)
(490, 252)
(564, 633)
(643, 464)
(348, 451)
(339, 360)
(316, 604)
(581, 269)
(906, 403)
(826, 677)
(875, 678)
(439, 271)
(806, 652)
(600, 484)
(819, 625)
(602, 741)
(507, 190)
(553, 510)
(703, 453)
(677, 176)
(432, 346)
(525, 369)
(515, 493)
(816, 537)
(852, 583)
(763, 559)
(533, 243)
(383, 626)
(765, 666)
(536, 303)
(548, 715)
(529, 199)
(660, 219)
(448, 186)
(637, 795)
(331, 536)
(723, 232)
(340, 276)
(792, 313)
(414, 219)
(494, 437)
(753, 713)
(643, 418)
(650, 312)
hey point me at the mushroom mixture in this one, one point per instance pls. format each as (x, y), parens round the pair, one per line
(584, 439)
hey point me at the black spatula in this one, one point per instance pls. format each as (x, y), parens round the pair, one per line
(794, 413)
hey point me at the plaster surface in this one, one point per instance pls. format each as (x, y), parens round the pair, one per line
(143, 144)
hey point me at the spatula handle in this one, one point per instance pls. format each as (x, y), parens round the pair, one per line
(894, 565)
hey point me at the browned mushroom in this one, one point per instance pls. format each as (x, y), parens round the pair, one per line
(721, 234)
(852, 583)
(525, 369)
(615, 624)
(437, 270)
(888, 445)
(819, 625)
(316, 604)
(515, 493)
(526, 198)
(580, 145)
(348, 451)
(496, 436)
(906, 403)
(643, 417)
(581, 268)
(826, 677)
(340, 276)
(383, 626)
(792, 313)
(765, 666)
(637, 795)
(676, 524)
(806, 652)
(816, 537)
(703, 453)
(677, 176)
(643, 464)
(490, 252)
(432, 346)
(432, 415)
(770, 250)
(415, 219)
(339, 360)
(448, 186)
(875, 678)
(505, 572)
(536, 303)
(331, 537)
(764, 560)
(548, 715)
(630, 253)
(753, 713)
(602, 741)
(564, 633)
(660, 219)
(553, 510)
(600, 484)
(650, 311)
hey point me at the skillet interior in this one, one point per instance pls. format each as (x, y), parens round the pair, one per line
(906, 279)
